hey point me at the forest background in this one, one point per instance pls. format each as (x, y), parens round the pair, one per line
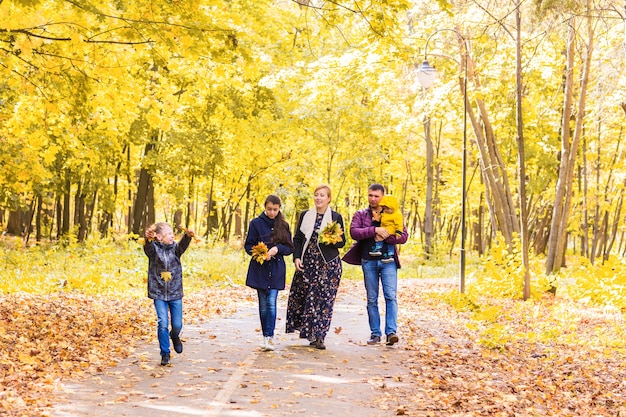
(114, 115)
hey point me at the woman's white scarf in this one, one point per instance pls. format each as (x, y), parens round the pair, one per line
(308, 224)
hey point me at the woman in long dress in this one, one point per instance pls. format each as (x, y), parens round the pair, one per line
(318, 270)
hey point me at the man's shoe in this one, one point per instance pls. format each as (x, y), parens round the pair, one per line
(178, 345)
(374, 340)
(165, 359)
(392, 339)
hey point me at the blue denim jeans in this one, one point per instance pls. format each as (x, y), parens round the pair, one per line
(267, 310)
(376, 273)
(175, 310)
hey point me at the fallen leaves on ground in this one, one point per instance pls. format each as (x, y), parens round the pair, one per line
(552, 357)
(46, 338)
(577, 372)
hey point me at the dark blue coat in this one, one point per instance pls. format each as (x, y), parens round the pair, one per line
(271, 274)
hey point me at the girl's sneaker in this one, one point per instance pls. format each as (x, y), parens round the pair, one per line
(269, 343)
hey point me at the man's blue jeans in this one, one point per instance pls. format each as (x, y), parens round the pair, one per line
(175, 310)
(267, 310)
(376, 273)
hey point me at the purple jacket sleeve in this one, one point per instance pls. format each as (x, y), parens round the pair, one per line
(398, 239)
(361, 226)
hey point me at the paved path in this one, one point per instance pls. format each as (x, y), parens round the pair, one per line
(223, 372)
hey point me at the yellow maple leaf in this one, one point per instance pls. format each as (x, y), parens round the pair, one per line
(331, 234)
(259, 252)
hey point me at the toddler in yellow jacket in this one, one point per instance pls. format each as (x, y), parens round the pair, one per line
(391, 219)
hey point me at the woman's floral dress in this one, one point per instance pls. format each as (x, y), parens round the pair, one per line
(312, 293)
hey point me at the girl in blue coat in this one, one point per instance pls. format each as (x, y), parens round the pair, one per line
(267, 275)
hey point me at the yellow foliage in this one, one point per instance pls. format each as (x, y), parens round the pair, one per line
(501, 273)
(489, 314)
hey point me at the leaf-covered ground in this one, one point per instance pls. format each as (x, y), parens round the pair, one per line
(503, 358)
(549, 358)
(44, 338)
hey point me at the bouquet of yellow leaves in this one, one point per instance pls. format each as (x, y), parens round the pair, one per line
(259, 252)
(191, 234)
(331, 234)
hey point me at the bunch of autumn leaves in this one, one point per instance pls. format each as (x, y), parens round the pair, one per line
(329, 236)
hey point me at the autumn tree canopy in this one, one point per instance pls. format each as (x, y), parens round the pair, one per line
(114, 114)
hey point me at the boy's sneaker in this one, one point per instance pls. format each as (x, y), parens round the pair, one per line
(165, 359)
(269, 343)
(375, 253)
(392, 339)
(178, 345)
(387, 260)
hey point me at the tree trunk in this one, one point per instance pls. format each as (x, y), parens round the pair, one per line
(177, 221)
(82, 221)
(211, 220)
(190, 201)
(141, 207)
(584, 180)
(246, 212)
(130, 203)
(564, 193)
(500, 200)
(520, 151)
(38, 217)
(65, 228)
(59, 216)
(614, 225)
(91, 208)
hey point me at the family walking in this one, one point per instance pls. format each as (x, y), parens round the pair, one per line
(319, 234)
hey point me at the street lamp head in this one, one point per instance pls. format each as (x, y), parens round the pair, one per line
(427, 75)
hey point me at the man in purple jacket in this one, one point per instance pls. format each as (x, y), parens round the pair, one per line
(363, 230)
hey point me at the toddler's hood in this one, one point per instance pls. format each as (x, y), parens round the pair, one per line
(389, 201)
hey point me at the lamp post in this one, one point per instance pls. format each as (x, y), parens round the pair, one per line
(427, 75)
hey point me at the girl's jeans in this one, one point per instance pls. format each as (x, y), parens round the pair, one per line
(175, 310)
(267, 310)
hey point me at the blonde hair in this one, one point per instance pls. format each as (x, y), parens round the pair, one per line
(160, 226)
(323, 186)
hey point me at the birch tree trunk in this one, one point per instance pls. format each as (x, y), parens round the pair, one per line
(564, 191)
(498, 191)
(520, 150)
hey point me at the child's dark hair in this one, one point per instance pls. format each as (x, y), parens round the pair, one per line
(280, 232)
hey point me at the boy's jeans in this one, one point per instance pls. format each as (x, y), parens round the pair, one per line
(267, 310)
(175, 310)
(375, 272)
